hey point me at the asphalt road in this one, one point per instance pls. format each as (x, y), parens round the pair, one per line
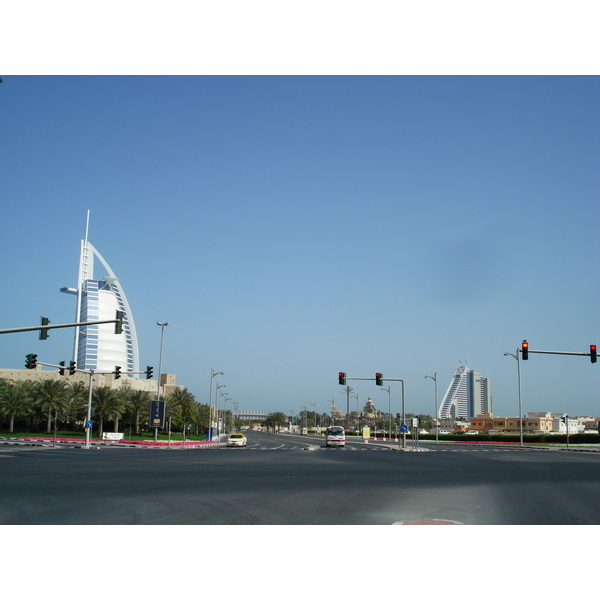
(290, 480)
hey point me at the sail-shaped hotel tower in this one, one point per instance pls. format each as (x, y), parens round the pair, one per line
(96, 346)
(468, 395)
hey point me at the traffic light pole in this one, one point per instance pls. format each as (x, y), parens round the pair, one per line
(382, 380)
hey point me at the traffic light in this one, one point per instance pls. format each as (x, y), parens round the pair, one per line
(149, 372)
(342, 378)
(31, 361)
(593, 353)
(119, 323)
(117, 372)
(44, 332)
(525, 350)
(61, 371)
(72, 368)
(378, 379)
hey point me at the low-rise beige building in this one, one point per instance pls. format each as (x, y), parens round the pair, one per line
(167, 380)
(533, 423)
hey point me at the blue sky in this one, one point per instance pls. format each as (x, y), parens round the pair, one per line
(292, 227)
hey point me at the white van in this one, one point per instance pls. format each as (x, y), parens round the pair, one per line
(335, 436)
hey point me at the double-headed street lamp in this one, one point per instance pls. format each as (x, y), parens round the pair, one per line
(210, 409)
(388, 390)
(357, 416)
(437, 424)
(333, 407)
(218, 403)
(516, 357)
(162, 335)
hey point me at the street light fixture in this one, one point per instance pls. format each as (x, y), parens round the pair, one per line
(210, 408)
(516, 357)
(437, 422)
(162, 335)
(357, 416)
(218, 404)
(332, 409)
(388, 390)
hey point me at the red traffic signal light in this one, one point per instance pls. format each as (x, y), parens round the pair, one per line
(525, 350)
(593, 354)
(342, 378)
(378, 379)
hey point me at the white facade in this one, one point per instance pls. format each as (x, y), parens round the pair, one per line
(575, 426)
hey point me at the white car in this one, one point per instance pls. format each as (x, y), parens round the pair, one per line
(236, 439)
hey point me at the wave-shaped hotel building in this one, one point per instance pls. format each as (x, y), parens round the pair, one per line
(97, 347)
(468, 395)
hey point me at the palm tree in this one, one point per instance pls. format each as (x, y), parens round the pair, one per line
(50, 395)
(102, 403)
(201, 417)
(14, 401)
(181, 403)
(138, 401)
(119, 407)
(77, 398)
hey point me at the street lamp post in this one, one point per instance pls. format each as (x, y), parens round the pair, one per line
(89, 410)
(332, 409)
(389, 391)
(162, 335)
(516, 357)
(357, 417)
(210, 410)
(437, 424)
(225, 397)
(218, 405)
(347, 391)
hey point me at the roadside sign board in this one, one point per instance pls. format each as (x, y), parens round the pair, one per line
(403, 428)
(157, 413)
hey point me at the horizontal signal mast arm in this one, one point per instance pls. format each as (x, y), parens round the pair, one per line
(46, 327)
(556, 352)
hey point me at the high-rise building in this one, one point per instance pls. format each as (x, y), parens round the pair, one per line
(97, 347)
(468, 395)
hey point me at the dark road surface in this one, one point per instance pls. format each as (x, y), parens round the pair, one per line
(290, 480)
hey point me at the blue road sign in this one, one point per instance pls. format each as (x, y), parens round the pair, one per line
(89, 424)
(403, 428)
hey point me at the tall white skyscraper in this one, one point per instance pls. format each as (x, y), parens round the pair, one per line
(97, 347)
(468, 395)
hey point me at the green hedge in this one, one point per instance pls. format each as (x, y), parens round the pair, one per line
(575, 438)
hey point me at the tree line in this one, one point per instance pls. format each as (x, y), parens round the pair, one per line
(46, 404)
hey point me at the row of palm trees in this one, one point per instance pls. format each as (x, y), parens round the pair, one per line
(53, 403)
